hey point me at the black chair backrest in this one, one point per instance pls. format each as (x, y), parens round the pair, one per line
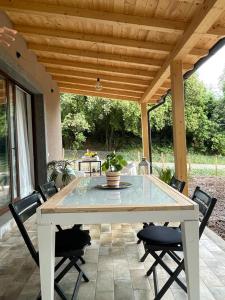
(177, 184)
(47, 190)
(23, 210)
(206, 205)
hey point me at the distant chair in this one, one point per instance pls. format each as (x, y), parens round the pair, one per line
(167, 240)
(69, 245)
(177, 184)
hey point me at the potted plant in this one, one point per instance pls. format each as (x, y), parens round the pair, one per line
(61, 172)
(112, 166)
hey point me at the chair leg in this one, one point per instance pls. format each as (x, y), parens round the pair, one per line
(144, 256)
(59, 291)
(155, 263)
(169, 271)
(66, 269)
(167, 285)
(82, 260)
(80, 271)
(77, 285)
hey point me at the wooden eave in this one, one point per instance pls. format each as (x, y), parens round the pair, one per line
(128, 45)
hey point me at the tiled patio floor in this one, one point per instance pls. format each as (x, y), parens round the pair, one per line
(112, 264)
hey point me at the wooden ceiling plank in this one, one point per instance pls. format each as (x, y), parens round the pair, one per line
(87, 82)
(204, 18)
(97, 67)
(154, 47)
(96, 55)
(98, 94)
(104, 90)
(93, 76)
(94, 38)
(102, 17)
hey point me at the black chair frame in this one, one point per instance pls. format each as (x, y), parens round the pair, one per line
(22, 211)
(48, 190)
(206, 206)
(177, 185)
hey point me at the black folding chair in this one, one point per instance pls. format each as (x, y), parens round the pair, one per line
(168, 239)
(48, 190)
(68, 245)
(177, 185)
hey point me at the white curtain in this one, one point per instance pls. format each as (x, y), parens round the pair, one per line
(24, 155)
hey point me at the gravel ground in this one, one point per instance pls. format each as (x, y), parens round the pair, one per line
(214, 186)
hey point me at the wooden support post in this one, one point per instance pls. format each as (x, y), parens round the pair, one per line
(179, 132)
(144, 127)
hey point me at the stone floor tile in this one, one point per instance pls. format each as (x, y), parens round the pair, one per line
(143, 295)
(123, 290)
(104, 295)
(139, 280)
(105, 281)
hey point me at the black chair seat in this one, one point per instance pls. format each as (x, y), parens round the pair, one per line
(70, 242)
(160, 235)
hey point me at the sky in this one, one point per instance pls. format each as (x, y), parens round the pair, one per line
(212, 69)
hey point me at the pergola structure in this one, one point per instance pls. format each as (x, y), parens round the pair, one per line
(139, 49)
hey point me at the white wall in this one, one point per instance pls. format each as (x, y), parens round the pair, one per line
(34, 73)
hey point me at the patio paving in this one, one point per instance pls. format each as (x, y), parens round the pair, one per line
(112, 265)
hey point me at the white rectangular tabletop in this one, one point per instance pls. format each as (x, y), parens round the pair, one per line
(146, 193)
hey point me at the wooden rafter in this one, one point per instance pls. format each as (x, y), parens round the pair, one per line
(101, 39)
(202, 21)
(138, 22)
(104, 90)
(99, 56)
(87, 82)
(98, 94)
(156, 63)
(97, 67)
(93, 76)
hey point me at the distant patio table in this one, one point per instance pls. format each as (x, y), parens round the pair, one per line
(147, 200)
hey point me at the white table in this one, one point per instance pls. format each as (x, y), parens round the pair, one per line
(148, 199)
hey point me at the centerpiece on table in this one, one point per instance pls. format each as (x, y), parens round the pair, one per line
(90, 155)
(112, 166)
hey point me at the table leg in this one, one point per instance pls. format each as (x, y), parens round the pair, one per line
(190, 239)
(46, 246)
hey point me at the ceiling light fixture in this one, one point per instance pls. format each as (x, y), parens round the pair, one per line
(98, 85)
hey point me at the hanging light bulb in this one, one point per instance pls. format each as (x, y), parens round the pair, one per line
(98, 85)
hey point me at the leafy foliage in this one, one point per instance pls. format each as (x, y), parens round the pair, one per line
(114, 163)
(117, 124)
(165, 174)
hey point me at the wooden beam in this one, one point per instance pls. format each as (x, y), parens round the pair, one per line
(217, 31)
(203, 19)
(179, 133)
(93, 76)
(151, 47)
(156, 63)
(97, 94)
(97, 67)
(95, 16)
(144, 129)
(104, 90)
(87, 82)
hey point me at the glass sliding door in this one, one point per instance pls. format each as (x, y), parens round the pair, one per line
(4, 145)
(16, 143)
(25, 142)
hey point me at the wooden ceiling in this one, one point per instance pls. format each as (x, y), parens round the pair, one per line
(128, 44)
